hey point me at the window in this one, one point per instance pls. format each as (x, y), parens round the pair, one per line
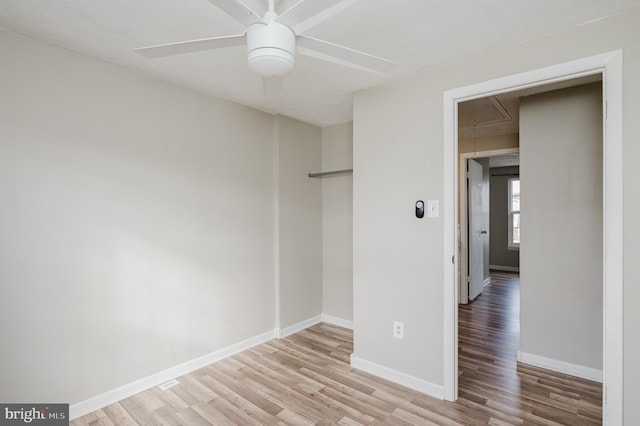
(514, 214)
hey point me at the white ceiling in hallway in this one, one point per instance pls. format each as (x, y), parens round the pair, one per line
(417, 34)
(500, 114)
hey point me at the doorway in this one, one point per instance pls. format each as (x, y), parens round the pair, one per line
(610, 66)
(557, 324)
(485, 243)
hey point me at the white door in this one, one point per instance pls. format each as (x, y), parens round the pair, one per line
(477, 232)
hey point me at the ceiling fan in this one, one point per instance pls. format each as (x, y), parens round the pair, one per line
(273, 36)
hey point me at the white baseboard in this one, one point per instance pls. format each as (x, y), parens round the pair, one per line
(486, 282)
(288, 331)
(505, 268)
(398, 377)
(110, 397)
(340, 322)
(81, 408)
(561, 366)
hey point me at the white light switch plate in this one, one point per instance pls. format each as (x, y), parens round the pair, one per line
(433, 208)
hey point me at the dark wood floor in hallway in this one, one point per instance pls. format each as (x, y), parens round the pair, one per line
(306, 379)
(493, 382)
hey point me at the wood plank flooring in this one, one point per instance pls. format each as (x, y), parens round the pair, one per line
(502, 390)
(306, 379)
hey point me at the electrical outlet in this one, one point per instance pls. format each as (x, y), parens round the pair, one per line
(398, 330)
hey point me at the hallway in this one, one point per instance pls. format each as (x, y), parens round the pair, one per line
(491, 380)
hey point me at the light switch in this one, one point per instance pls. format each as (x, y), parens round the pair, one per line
(433, 208)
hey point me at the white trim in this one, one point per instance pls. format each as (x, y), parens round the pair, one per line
(613, 273)
(505, 268)
(511, 245)
(450, 218)
(276, 222)
(97, 402)
(463, 291)
(398, 377)
(486, 282)
(610, 65)
(292, 329)
(340, 322)
(560, 366)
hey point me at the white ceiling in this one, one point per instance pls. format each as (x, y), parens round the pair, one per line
(417, 34)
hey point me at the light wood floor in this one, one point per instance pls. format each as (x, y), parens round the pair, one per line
(306, 379)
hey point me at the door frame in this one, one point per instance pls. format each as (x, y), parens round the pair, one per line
(610, 66)
(463, 290)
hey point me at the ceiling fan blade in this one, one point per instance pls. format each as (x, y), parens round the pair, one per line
(191, 46)
(240, 10)
(300, 15)
(335, 53)
(272, 85)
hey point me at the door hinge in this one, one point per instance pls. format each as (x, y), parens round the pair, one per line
(468, 278)
(468, 175)
(453, 259)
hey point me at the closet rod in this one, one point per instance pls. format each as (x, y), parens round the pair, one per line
(335, 172)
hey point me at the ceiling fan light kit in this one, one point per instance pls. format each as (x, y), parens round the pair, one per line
(271, 49)
(271, 37)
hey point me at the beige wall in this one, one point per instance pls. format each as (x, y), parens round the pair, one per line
(137, 222)
(561, 248)
(488, 143)
(300, 221)
(337, 222)
(397, 258)
(398, 261)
